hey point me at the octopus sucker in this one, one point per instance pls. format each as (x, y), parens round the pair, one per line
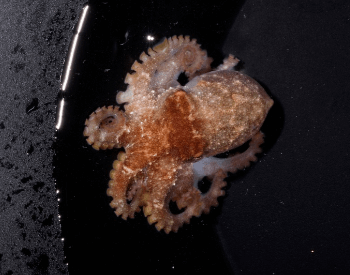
(171, 134)
(151, 52)
(135, 67)
(129, 77)
(144, 57)
(161, 46)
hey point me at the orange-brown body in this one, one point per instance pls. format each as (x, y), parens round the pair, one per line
(171, 133)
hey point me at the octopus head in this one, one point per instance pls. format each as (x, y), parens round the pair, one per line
(104, 128)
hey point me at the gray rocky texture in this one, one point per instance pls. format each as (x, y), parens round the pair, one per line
(35, 37)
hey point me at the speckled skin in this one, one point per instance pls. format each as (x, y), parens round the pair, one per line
(170, 132)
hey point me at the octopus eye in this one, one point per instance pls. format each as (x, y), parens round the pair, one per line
(109, 122)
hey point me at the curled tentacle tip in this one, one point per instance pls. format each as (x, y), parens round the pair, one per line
(103, 126)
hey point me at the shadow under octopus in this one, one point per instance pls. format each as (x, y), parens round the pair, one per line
(171, 133)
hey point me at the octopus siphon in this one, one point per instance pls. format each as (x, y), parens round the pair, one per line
(171, 134)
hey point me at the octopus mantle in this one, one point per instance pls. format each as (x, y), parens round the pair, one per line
(171, 133)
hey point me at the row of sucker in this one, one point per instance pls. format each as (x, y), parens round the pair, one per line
(196, 205)
(159, 70)
(132, 195)
(186, 195)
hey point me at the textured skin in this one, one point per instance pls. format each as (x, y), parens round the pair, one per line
(170, 133)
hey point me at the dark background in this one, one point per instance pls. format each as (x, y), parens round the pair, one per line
(287, 214)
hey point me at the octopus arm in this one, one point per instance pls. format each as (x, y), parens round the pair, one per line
(163, 185)
(159, 70)
(228, 63)
(104, 127)
(216, 170)
(210, 165)
(186, 191)
(126, 185)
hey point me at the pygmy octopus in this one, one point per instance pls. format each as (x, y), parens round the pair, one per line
(172, 133)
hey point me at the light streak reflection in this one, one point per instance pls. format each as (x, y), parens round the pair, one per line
(68, 69)
(72, 51)
(60, 114)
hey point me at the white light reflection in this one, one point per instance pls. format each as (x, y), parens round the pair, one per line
(150, 37)
(74, 45)
(60, 115)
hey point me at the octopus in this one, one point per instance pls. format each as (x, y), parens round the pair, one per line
(171, 134)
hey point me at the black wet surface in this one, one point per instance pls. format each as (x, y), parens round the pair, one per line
(287, 214)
